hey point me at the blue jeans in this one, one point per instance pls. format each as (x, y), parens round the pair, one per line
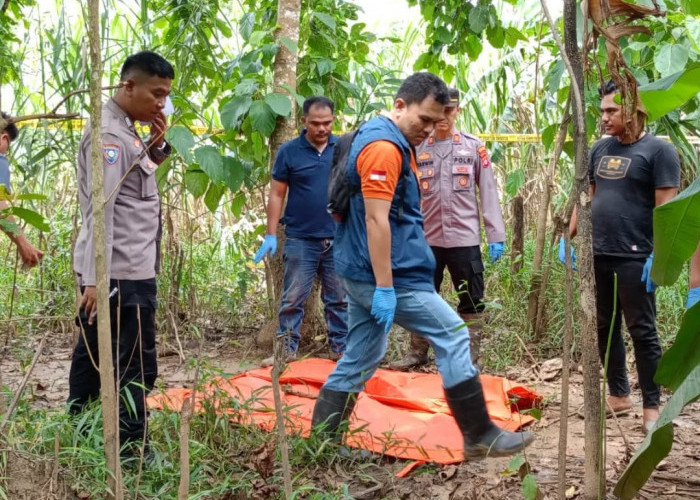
(424, 313)
(303, 260)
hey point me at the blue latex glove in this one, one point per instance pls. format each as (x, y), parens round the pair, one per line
(383, 306)
(269, 245)
(495, 251)
(693, 297)
(646, 274)
(562, 253)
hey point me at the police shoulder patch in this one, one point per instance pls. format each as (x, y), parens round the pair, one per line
(111, 153)
(484, 154)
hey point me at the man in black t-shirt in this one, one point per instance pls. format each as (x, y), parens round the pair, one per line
(629, 177)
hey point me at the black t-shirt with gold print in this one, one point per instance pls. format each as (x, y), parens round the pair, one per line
(626, 177)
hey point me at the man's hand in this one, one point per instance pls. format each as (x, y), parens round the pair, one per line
(269, 245)
(646, 274)
(29, 254)
(693, 297)
(384, 306)
(159, 126)
(562, 253)
(88, 302)
(495, 251)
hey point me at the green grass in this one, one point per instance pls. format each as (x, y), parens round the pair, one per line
(224, 457)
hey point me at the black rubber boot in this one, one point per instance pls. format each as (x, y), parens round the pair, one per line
(482, 438)
(331, 410)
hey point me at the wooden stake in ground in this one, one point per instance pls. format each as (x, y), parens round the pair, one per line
(277, 368)
(110, 408)
(565, 364)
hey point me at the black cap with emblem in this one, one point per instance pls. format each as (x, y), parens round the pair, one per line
(454, 98)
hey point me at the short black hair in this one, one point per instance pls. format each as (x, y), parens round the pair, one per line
(607, 88)
(317, 100)
(11, 128)
(418, 86)
(149, 63)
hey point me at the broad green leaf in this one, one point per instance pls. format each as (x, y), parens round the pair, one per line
(234, 173)
(279, 103)
(516, 462)
(496, 36)
(182, 140)
(262, 118)
(693, 26)
(691, 7)
(211, 162)
(478, 18)
(246, 87)
(30, 217)
(238, 203)
(299, 98)
(530, 488)
(162, 173)
(325, 66)
(213, 196)
(256, 37)
(422, 62)
(657, 443)
(667, 94)
(233, 111)
(442, 34)
(474, 47)
(553, 76)
(513, 35)
(196, 182)
(8, 226)
(289, 44)
(514, 181)
(326, 19)
(670, 59)
(676, 234)
(684, 355)
(246, 24)
(548, 135)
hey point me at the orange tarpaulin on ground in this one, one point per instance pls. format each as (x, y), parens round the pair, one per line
(399, 414)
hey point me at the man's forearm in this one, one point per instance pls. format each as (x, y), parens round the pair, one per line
(274, 212)
(379, 244)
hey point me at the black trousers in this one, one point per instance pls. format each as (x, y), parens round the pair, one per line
(467, 272)
(639, 309)
(132, 316)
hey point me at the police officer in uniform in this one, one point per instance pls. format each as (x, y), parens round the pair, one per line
(451, 164)
(132, 224)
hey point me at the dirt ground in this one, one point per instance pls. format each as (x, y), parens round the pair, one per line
(677, 477)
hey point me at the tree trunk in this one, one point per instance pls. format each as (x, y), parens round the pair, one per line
(517, 248)
(285, 73)
(110, 412)
(594, 477)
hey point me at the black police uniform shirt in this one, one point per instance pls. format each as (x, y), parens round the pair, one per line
(626, 177)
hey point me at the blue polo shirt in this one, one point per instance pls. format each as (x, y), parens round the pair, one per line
(4, 172)
(306, 172)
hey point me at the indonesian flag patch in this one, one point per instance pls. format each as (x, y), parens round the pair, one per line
(484, 154)
(110, 152)
(377, 175)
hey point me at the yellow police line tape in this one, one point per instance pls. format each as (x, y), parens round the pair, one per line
(79, 123)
